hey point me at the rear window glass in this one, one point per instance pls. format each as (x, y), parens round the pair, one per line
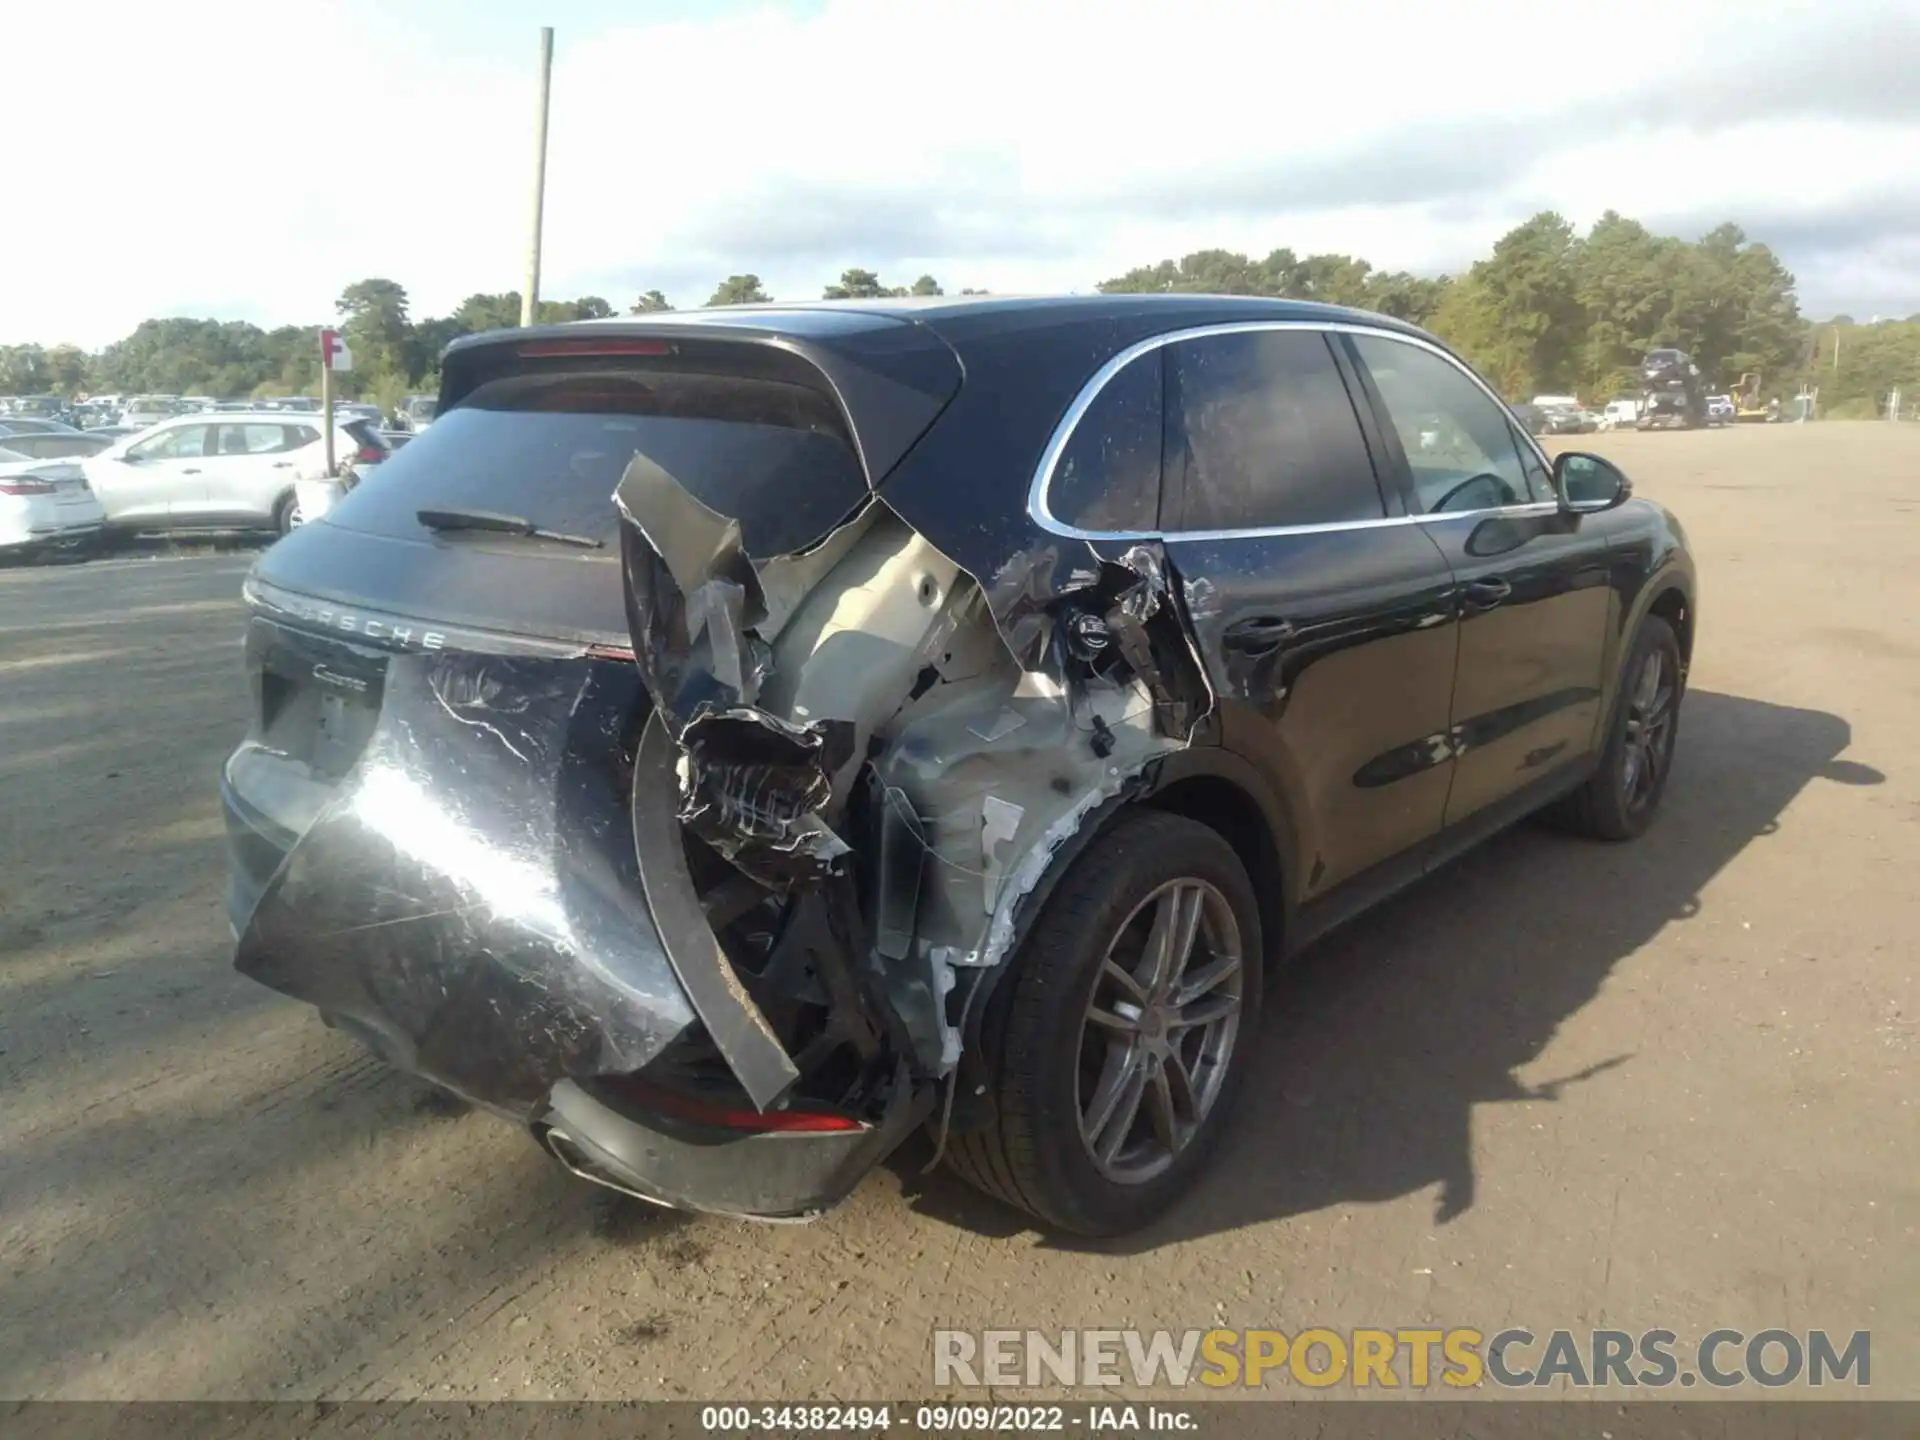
(1108, 477)
(552, 448)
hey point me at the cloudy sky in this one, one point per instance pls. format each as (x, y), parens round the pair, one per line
(235, 159)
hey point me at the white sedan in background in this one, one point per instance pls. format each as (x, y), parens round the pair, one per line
(45, 504)
(223, 472)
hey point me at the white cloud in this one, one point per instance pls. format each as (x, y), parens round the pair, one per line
(1031, 145)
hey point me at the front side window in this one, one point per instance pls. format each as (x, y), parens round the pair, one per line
(1108, 476)
(1460, 442)
(178, 443)
(1261, 434)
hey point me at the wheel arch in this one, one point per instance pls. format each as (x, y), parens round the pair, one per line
(1206, 783)
(1230, 809)
(1674, 604)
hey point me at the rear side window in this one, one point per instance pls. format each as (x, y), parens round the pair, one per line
(1262, 433)
(551, 448)
(250, 439)
(1108, 476)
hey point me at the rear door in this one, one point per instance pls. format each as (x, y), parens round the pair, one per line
(1325, 619)
(1533, 581)
(251, 469)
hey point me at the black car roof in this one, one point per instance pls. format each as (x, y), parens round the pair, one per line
(953, 316)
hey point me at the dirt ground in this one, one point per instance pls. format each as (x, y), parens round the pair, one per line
(1666, 1084)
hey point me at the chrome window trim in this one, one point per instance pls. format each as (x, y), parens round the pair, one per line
(1039, 511)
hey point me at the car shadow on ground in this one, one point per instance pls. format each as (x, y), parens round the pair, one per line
(1379, 1041)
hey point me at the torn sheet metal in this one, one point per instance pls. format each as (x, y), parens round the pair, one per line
(735, 1024)
(468, 900)
(992, 813)
(752, 786)
(991, 716)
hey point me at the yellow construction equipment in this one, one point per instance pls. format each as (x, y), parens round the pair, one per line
(1747, 404)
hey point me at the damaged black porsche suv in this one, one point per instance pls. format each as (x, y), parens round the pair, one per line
(728, 742)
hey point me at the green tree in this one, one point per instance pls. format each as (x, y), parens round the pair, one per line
(739, 290)
(68, 369)
(856, 285)
(1412, 298)
(1624, 280)
(1205, 272)
(23, 370)
(1330, 279)
(374, 319)
(430, 337)
(1516, 315)
(650, 302)
(927, 285)
(482, 311)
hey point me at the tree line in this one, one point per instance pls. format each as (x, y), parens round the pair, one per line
(1549, 310)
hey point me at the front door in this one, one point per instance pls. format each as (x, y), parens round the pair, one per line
(160, 481)
(1533, 579)
(1326, 620)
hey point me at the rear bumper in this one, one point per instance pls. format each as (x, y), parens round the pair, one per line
(31, 521)
(752, 1176)
(465, 897)
(466, 902)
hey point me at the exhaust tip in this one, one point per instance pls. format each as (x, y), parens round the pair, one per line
(581, 1163)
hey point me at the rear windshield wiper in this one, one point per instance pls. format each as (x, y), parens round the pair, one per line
(494, 523)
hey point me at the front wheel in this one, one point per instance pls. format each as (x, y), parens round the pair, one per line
(1619, 800)
(1119, 1041)
(286, 515)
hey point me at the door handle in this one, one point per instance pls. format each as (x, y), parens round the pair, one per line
(1259, 634)
(1487, 593)
(283, 464)
(190, 472)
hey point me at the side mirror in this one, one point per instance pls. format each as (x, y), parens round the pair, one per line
(1589, 484)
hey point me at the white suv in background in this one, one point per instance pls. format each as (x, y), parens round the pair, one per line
(222, 472)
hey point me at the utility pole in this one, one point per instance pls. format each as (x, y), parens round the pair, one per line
(530, 296)
(1836, 354)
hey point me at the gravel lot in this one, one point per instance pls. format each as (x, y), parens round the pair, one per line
(1668, 1084)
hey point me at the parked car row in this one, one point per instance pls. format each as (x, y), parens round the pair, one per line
(240, 470)
(137, 412)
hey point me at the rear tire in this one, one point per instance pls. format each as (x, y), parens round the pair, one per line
(286, 515)
(1621, 797)
(1074, 1037)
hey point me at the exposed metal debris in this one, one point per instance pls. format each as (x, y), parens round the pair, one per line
(862, 711)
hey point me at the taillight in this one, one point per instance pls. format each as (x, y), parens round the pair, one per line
(21, 485)
(369, 455)
(699, 1110)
